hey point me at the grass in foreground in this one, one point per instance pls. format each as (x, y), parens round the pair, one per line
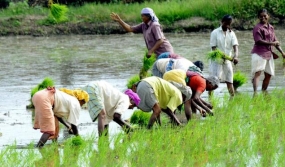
(243, 132)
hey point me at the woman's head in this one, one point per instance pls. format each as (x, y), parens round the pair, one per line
(134, 98)
(263, 16)
(148, 15)
(81, 95)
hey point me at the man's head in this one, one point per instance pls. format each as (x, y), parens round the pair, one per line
(199, 64)
(226, 22)
(212, 83)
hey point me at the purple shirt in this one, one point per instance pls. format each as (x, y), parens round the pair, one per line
(261, 32)
(152, 33)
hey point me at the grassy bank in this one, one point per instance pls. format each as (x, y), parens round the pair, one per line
(174, 15)
(245, 132)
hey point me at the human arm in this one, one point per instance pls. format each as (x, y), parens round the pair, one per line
(68, 126)
(235, 58)
(154, 116)
(116, 17)
(101, 121)
(126, 126)
(278, 47)
(200, 102)
(187, 108)
(155, 47)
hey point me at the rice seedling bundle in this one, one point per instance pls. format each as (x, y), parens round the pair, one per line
(131, 81)
(147, 64)
(140, 118)
(239, 79)
(59, 12)
(47, 82)
(218, 56)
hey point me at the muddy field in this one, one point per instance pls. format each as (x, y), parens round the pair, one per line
(74, 60)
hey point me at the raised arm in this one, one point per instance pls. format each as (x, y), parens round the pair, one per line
(116, 17)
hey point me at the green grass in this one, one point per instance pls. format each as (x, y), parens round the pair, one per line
(245, 131)
(168, 11)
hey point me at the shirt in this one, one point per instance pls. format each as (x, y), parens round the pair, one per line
(152, 33)
(266, 33)
(66, 106)
(197, 84)
(181, 63)
(224, 42)
(167, 95)
(103, 95)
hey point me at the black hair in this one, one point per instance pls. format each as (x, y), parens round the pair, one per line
(227, 18)
(261, 11)
(199, 64)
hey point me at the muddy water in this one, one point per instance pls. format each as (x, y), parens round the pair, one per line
(73, 61)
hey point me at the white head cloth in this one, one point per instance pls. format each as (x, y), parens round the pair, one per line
(151, 13)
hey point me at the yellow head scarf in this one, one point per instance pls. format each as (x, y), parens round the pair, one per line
(78, 93)
(176, 75)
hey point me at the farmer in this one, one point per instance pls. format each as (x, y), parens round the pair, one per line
(262, 52)
(158, 95)
(168, 61)
(198, 63)
(107, 103)
(151, 29)
(198, 85)
(177, 78)
(224, 39)
(50, 105)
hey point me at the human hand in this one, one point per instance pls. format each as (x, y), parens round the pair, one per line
(115, 16)
(149, 53)
(235, 61)
(70, 131)
(283, 54)
(275, 43)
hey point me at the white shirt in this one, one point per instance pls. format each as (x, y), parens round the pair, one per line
(223, 41)
(66, 106)
(180, 63)
(113, 100)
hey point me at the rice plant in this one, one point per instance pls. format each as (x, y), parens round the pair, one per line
(239, 79)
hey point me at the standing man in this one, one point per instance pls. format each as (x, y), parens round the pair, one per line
(224, 39)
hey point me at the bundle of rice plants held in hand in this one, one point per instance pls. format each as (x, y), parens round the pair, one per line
(239, 79)
(147, 64)
(218, 56)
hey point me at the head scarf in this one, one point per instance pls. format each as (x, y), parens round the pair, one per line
(213, 80)
(78, 93)
(151, 13)
(176, 75)
(133, 96)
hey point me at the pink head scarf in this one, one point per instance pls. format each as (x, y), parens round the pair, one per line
(133, 96)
